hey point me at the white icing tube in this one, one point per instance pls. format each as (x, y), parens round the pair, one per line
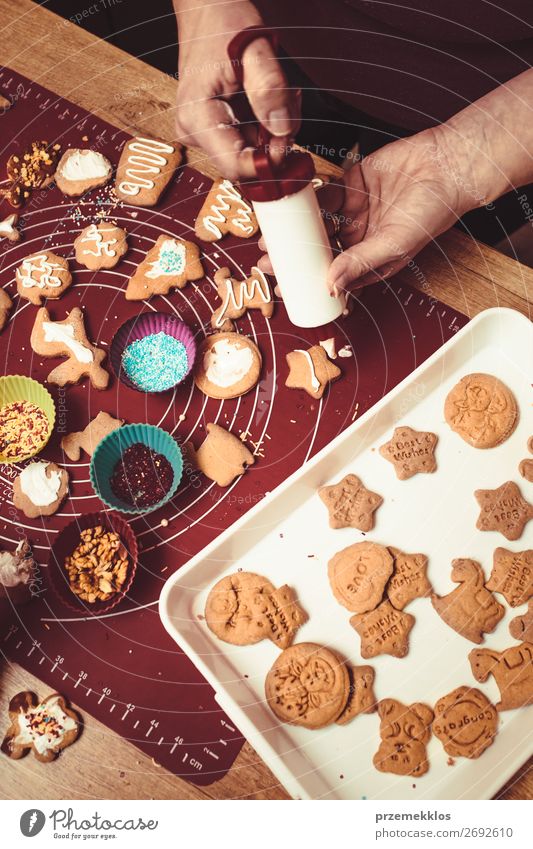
(299, 249)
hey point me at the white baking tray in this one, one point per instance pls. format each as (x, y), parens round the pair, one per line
(286, 538)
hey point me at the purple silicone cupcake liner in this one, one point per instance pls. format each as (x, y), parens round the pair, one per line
(145, 325)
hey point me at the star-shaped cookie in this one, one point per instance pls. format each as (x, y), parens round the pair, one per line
(350, 504)
(384, 630)
(503, 509)
(410, 451)
(409, 578)
(311, 370)
(512, 575)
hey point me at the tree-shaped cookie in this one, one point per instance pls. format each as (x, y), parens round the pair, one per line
(68, 339)
(238, 296)
(470, 609)
(170, 264)
(225, 211)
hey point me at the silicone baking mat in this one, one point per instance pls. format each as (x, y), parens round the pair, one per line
(121, 666)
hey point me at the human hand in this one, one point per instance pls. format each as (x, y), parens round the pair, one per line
(207, 80)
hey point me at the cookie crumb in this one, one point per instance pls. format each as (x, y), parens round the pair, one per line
(450, 762)
(164, 523)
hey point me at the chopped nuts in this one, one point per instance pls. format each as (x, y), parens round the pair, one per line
(98, 566)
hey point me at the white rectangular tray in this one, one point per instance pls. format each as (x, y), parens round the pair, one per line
(287, 538)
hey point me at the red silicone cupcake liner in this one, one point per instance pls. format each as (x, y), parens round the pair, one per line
(145, 325)
(65, 544)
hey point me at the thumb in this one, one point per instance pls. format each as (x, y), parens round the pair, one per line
(275, 106)
(361, 259)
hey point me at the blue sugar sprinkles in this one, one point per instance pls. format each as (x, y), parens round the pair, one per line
(156, 362)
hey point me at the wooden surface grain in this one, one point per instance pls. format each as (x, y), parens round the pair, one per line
(455, 269)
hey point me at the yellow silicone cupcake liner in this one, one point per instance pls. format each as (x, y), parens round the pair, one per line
(16, 388)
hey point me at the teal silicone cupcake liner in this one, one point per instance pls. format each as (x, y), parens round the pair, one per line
(109, 451)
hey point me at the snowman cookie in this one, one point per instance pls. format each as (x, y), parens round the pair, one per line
(40, 489)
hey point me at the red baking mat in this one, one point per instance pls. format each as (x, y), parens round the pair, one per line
(122, 667)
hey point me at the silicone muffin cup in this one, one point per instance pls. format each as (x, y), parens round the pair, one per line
(139, 327)
(15, 388)
(65, 544)
(109, 451)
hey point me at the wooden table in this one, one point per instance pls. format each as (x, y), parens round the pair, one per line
(461, 272)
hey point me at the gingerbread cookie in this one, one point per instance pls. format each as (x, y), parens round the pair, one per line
(404, 730)
(43, 275)
(88, 438)
(5, 308)
(17, 573)
(32, 168)
(470, 609)
(410, 452)
(482, 410)
(170, 264)
(525, 468)
(5, 104)
(465, 722)
(512, 670)
(78, 171)
(227, 365)
(521, 627)
(358, 575)
(350, 504)
(225, 211)
(238, 296)
(308, 685)
(8, 229)
(244, 608)
(46, 727)
(68, 338)
(145, 169)
(361, 697)
(504, 510)
(311, 370)
(222, 457)
(384, 630)
(40, 489)
(100, 245)
(408, 580)
(512, 575)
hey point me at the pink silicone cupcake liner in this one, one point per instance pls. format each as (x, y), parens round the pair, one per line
(145, 325)
(65, 544)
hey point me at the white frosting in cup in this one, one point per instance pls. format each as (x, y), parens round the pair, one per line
(225, 364)
(64, 333)
(84, 165)
(37, 486)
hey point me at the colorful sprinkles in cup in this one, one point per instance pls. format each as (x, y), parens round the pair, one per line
(156, 362)
(24, 429)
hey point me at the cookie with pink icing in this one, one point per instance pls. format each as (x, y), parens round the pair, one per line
(227, 365)
(145, 169)
(238, 296)
(43, 275)
(79, 170)
(225, 211)
(100, 245)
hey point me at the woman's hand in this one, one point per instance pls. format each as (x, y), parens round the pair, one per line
(207, 79)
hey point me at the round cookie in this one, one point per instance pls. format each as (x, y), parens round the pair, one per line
(228, 365)
(78, 171)
(100, 245)
(358, 575)
(308, 685)
(40, 489)
(465, 722)
(42, 275)
(482, 410)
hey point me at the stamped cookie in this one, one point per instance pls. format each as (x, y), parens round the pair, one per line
(68, 338)
(225, 211)
(384, 630)
(88, 438)
(46, 727)
(358, 575)
(410, 452)
(350, 504)
(145, 169)
(512, 575)
(311, 370)
(512, 670)
(40, 489)
(308, 685)
(170, 264)
(43, 275)
(470, 609)
(521, 627)
(504, 510)
(32, 168)
(404, 730)
(244, 608)
(482, 410)
(227, 365)
(361, 698)
(8, 228)
(466, 723)
(238, 296)
(78, 171)
(408, 580)
(222, 456)
(100, 245)
(5, 308)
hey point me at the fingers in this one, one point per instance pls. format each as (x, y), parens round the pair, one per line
(360, 264)
(275, 106)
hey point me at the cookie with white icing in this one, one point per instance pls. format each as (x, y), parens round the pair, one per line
(100, 245)
(68, 338)
(238, 296)
(145, 169)
(40, 489)
(43, 275)
(78, 171)
(170, 264)
(225, 211)
(311, 370)
(8, 228)
(45, 727)
(5, 306)
(227, 365)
